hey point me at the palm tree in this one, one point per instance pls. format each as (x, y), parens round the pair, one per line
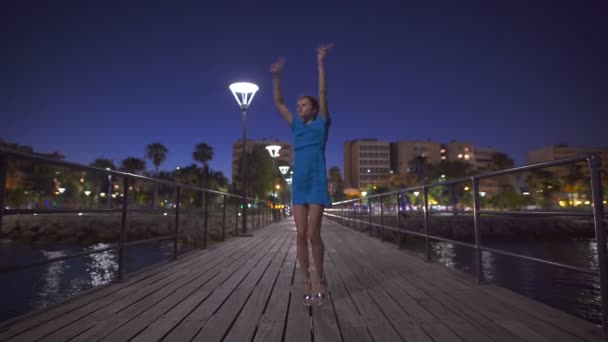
(203, 153)
(104, 163)
(133, 165)
(156, 152)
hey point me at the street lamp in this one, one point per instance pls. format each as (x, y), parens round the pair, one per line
(88, 193)
(273, 150)
(109, 189)
(283, 170)
(243, 93)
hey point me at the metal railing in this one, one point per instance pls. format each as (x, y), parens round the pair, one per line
(263, 208)
(345, 211)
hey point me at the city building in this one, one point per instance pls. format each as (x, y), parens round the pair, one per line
(403, 152)
(366, 162)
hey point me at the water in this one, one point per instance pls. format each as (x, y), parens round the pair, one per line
(570, 291)
(38, 287)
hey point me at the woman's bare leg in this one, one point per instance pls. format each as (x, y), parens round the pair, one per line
(300, 213)
(318, 247)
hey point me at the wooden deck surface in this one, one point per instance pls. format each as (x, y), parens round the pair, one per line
(249, 289)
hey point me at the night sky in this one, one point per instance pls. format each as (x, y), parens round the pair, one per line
(104, 79)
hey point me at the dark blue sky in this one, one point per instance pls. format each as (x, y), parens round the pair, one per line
(105, 80)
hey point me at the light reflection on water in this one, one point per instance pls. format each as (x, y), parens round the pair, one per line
(575, 292)
(102, 266)
(38, 287)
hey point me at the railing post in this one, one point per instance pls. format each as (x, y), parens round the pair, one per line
(3, 172)
(360, 214)
(178, 199)
(595, 164)
(382, 217)
(236, 219)
(399, 195)
(206, 198)
(476, 223)
(427, 246)
(124, 225)
(369, 214)
(224, 219)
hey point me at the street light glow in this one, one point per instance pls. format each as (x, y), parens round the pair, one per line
(243, 92)
(273, 150)
(284, 169)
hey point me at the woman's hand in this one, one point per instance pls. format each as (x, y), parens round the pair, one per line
(277, 67)
(322, 52)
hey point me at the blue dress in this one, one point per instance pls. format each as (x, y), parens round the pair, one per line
(309, 185)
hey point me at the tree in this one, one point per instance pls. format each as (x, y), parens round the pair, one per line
(259, 172)
(103, 181)
(335, 176)
(133, 165)
(156, 152)
(446, 170)
(203, 153)
(103, 163)
(542, 185)
(506, 183)
(421, 167)
(573, 182)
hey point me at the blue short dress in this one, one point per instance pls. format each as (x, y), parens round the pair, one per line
(309, 185)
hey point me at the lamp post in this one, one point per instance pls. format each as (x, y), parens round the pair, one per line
(243, 93)
(109, 189)
(273, 150)
(283, 170)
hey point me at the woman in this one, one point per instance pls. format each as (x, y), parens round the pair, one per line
(309, 187)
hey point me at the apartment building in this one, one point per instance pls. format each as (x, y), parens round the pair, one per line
(366, 162)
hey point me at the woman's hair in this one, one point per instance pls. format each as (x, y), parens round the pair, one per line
(313, 101)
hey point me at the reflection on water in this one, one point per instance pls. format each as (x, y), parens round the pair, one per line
(52, 278)
(575, 292)
(102, 267)
(38, 287)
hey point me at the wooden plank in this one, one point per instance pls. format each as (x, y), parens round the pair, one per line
(377, 323)
(392, 275)
(274, 318)
(471, 296)
(400, 320)
(298, 328)
(71, 324)
(189, 326)
(142, 321)
(425, 319)
(245, 325)
(169, 319)
(217, 326)
(352, 326)
(35, 319)
(106, 320)
(117, 299)
(473, 299)
(575, 325)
